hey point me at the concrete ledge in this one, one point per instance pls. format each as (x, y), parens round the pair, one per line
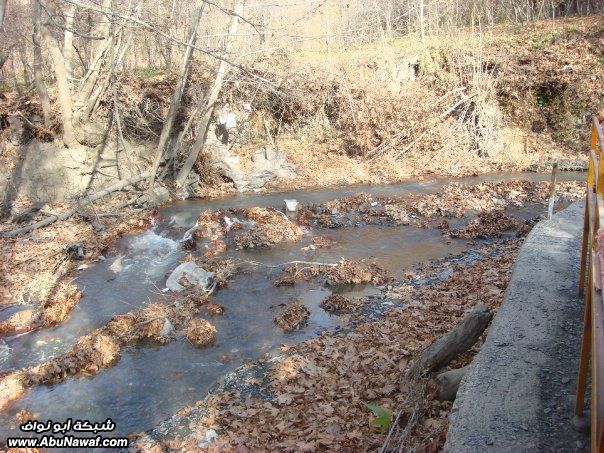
(519, 391)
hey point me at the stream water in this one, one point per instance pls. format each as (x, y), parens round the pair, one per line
(149, 382)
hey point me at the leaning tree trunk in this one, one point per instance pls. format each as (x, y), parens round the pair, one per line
(454, 343)
(176, 96)
(63, 92)
(37, 66)
(211, 100)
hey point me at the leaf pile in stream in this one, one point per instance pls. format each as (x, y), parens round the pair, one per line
(269, 227)
(318, 388)
(453, 200)
(247, 228)
(200, 332)
(55, 310)
(157, 323)
(489, 224)
(344, 272)
(293, 317)
(336, 303)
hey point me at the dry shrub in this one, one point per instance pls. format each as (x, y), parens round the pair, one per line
(293, 317)
(200, 332)
(336, 303)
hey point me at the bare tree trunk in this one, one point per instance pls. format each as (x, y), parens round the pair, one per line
(63, 93)
(422, 24)
(91, 78)
(211, 100)
(2, 11)
(68, 43)
(37, 66)
(176, 96)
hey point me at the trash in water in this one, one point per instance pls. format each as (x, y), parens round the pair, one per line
(192, 273)
(291, 205)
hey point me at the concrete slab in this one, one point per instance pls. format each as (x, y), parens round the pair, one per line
(519, 392)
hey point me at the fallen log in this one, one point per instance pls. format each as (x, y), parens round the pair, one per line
(80, 203)
(448, 383)
(454, 343)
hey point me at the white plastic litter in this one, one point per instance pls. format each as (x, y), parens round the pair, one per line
(291, 205)
(194, 274)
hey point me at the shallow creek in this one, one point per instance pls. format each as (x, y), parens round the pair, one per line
(149, 382)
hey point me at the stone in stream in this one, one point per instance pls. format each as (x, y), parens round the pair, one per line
(191, 272)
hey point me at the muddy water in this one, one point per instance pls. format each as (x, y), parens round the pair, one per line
(150, 382)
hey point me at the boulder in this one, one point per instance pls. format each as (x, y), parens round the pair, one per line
(269, 164)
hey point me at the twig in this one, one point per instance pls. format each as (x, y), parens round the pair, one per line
(274, 266)
(81, 203)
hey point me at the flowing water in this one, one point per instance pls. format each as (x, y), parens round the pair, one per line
(149, 382)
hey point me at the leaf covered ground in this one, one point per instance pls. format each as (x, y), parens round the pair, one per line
(318, 390)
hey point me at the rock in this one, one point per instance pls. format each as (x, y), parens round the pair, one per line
(269, 164)
(168, 328)
(159, 196)
(28, 214)
(91, 133)
(15, 134)
(448, 383)
(210, 436)
(118, 265)
(98, 227)
(194, 274)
